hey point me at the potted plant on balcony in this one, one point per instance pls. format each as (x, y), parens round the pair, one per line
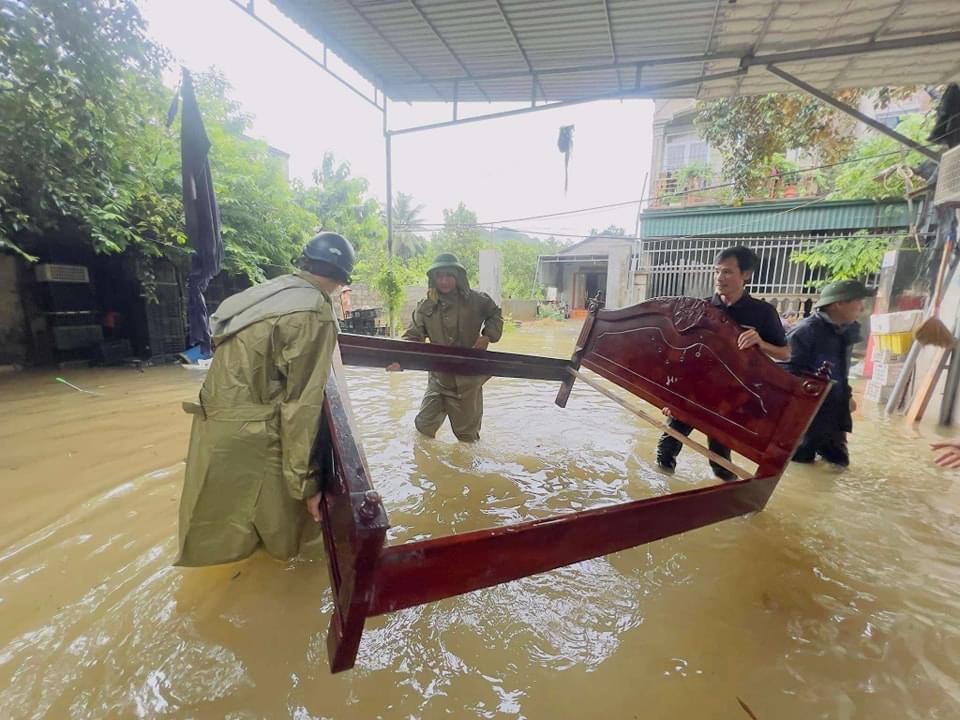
(691, 179)
(784, 177)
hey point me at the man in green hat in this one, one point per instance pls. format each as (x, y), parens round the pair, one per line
(453, 314)
(828, 335)
(247, 481)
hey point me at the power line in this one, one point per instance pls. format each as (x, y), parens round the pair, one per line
(486, 226)
(726, 230)
(791, 174)
(625, 203)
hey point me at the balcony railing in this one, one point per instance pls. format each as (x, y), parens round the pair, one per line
(668, 191)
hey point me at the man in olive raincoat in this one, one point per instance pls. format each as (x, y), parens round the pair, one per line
(258, 413)
(453, 314)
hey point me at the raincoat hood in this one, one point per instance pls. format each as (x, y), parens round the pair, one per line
(445, 260)
(450, 263)
(286, 294)
(463, 285)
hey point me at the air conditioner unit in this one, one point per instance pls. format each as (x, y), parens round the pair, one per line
(947, 193)
(62, 273)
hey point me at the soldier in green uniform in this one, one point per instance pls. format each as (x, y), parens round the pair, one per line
(258, 412)
(453, 314)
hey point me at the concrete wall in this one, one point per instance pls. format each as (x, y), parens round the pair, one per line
(13, 339)
(524, 310)
(490, 274)
(618, 277)
(663, 113)
(364, 296)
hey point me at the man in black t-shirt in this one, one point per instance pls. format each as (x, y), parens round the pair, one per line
(761, 326)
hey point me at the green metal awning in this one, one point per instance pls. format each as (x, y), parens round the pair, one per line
(775, 216)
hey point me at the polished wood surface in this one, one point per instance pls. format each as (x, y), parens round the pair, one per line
(682, 354)
(354, 525)
(428, 570)
(371, 351)
(677, 353)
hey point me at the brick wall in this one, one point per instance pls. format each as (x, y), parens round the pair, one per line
(364, 296)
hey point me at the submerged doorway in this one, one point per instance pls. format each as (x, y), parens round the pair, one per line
(588, 285)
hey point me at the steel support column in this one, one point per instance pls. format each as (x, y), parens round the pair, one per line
(387, 137)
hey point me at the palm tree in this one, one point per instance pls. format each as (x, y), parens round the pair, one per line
(406, 221)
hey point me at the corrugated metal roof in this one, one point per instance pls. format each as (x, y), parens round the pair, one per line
(497, 49)
(593, 245)
(780, 216)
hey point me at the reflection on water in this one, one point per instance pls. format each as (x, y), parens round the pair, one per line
(838, 601)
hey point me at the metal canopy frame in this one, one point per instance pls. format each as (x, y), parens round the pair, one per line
(746, 59)
(633, 348)
(505, 50)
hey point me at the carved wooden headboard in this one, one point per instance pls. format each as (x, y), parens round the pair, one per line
(681, 353)
(674, 352)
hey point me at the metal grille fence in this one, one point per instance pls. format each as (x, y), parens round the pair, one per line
(684, 266)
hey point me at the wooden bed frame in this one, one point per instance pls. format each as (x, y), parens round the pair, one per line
(676, 353)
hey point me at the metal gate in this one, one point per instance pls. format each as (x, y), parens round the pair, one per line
(684, 266)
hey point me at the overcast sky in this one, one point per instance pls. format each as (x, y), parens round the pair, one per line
(501, 169)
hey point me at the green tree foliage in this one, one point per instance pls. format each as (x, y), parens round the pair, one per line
(340, 202)
(86, 155)
(391, 282)
(848, 258)
(518, 279)
(263, 227)
(407, 242)
(461, 236)
(749, 131)
(71, 99)
(610, 230)
(880, 169)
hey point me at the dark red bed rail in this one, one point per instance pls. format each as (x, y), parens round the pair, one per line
(354, 526)
(368, 351)
(678, 353)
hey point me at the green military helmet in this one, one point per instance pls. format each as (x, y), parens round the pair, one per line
(446, 261)
(842, 291)
(332, 253)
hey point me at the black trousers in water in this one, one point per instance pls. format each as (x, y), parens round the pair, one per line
(669, 447)
(830, 445)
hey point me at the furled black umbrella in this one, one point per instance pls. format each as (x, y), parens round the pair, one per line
(565, 145)
(202, 215)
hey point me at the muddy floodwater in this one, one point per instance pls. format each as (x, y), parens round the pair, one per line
(840, 600)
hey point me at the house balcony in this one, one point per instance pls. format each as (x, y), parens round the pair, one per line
(680, 190)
